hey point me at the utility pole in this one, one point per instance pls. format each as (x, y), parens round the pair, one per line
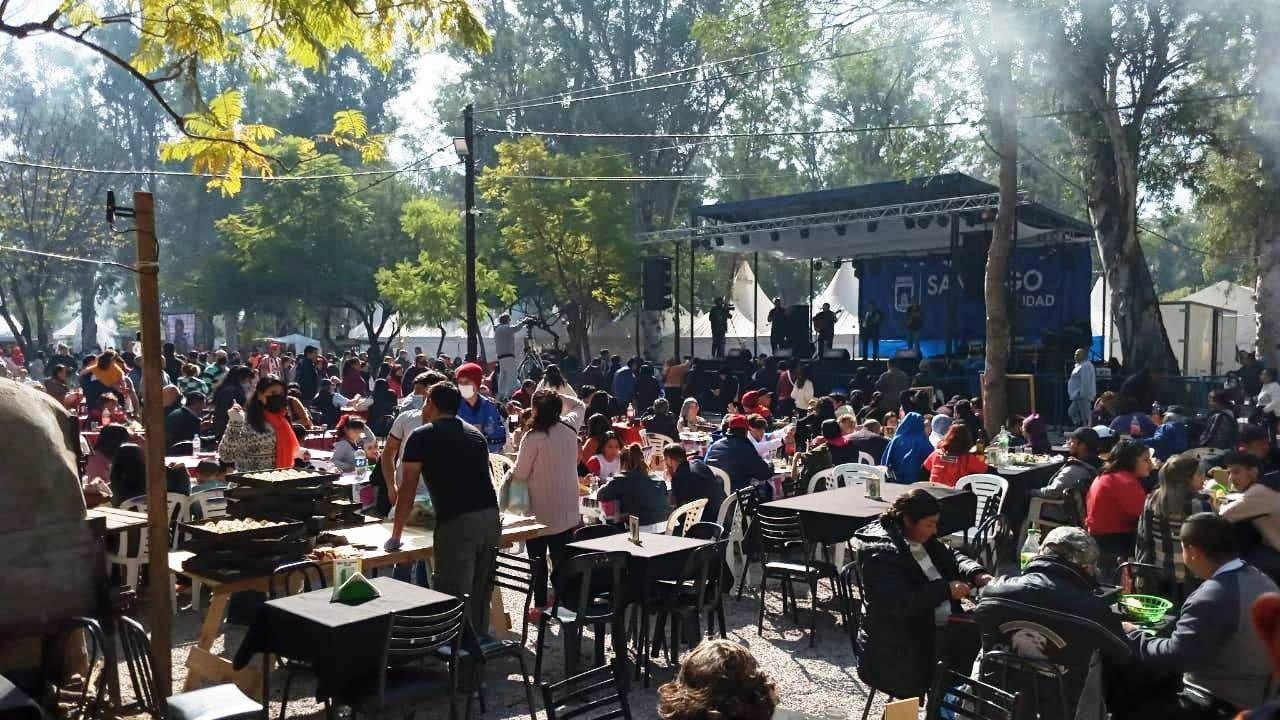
(148, 271)
(473, 326)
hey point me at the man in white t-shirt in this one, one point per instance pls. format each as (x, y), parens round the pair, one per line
(389, 464)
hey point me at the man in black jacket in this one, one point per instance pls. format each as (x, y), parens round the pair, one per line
(1072, 480)
(691, 480)
(661, 421)
(1053, 612)
(736, 455)
(182, 423)
(307, 376)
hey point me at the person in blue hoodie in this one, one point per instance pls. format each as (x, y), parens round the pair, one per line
(907, 450)
(1168, 440)
(477, 409)
(624, 386)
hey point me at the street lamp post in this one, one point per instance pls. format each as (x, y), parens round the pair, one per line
(465, 147)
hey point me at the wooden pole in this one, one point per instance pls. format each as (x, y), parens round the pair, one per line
(153, 420)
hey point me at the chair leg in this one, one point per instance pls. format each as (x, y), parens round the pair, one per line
(720, 617)
(760, 618)
(866, 710)
(673, 652)
(572, 648)
(813, 610)
(284, 694)
(538, 651)
(528, 689)
(742, 581)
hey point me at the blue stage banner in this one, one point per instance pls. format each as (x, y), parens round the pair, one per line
(1051, 290)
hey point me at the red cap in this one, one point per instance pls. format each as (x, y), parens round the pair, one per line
(470, 372)
(750, 399)
(738, 422)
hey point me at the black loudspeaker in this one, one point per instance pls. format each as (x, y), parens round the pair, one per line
(798, 331)
(783, 353)
(971, 262)
(836, 354)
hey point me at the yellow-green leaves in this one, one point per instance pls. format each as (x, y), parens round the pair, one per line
(216, 142)
(350, 130)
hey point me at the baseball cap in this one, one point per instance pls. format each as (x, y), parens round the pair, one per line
(471, 372)
(738, 422)
(1102, 431)
(1071, 544)
(750, 398)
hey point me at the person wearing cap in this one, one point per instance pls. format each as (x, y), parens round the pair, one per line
(661, 421)
(939, 427)
(736, 455)
(1074, 476)
(767, 442)
(478, 410)
(751, 404)
(1058, 587)
(1214, 664)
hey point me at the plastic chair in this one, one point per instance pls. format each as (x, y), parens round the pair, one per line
(219, 702)
(742, 534)
(959, 697)
(588, 591)
(865, 458)
(281, 584)
(204, 505)
(704, 531)
(851, 579)
(403, 680)
(780, 536)
(482, 650)
(516, 573)
(822, 480)
(686, 516)
(687, 598)
(1202, 453)
(597, 693)
(182, 447)
(846, 474)
(724, 478)
(132, 552)
(991, 491)
(99, 655)
(499, 465)
(1045, 682)
(659, 442)
(1036, 514)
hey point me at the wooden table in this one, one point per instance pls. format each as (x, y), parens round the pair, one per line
(205, 668)
(118, 520)
(833, 516)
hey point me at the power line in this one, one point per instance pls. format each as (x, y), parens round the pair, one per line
(567, 99)
(1158, 103)
(633, 178)
(768, 133)
(70, 258)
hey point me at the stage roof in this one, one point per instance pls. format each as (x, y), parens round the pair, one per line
(889, 218)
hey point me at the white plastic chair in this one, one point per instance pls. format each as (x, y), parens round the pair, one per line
(205, 504)
(724, 478)
(659, 442)
(132, 552)
(500, 464)
(846, 474)
(1036, 517)
(734, 524)
(686, 516)
(989, 488)
(865, 458)
(1202, 453)
(827, 477)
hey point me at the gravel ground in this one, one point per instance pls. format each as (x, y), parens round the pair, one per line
(820, 681)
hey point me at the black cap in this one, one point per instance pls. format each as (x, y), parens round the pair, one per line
(1088, 436)
(831, 429)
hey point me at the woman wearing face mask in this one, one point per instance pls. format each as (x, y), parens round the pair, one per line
(479, 410)
(260, 436)
(234, 389)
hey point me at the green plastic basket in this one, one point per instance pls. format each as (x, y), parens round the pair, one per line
(1145, 608)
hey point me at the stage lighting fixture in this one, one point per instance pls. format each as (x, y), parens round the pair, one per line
(926, 221)
(804, 233)
(744, 238)
(909, 222)
(873, 226)
(944, 220)
(840, 229)
(774, 236)
(970, 219)
(719, 241)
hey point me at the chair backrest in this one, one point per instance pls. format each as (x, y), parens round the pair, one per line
(596, 693)
(182, 447)
(308, 577)
(659, 442)
(728, 513)
(1041, 683)
(207, 504)
(822, 480)
(779, 530)
(686, 516)
(412, 638)
(962, 698)
(137, 655)
(698, 575)
(865, 458)
(989, 489)
(499, 464)
(847, 474)
(591, 532)
(515, 572)
(724, 478)
(592, 575)
(1201, 453)
(705, 531)
(179, 512)
(86, 637)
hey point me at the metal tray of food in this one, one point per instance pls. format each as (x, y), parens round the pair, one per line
(295, 543)
(283, 477)
(229, 529)
(256, 492)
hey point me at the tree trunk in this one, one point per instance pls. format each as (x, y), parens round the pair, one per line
(1003, 113)
(1267, 142)
(440, 347)
(88, 310)
(1267, 288)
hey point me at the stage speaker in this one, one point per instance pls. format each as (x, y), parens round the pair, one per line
(836, 354)
(798, 330)
(971, 263)
(784, 353)
(906, 354)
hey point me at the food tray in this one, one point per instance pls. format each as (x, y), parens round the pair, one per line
(205, 529)
(254, 492)
(283, 477)
(250, 547)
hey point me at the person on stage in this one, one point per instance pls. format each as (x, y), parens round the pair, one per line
(719, 317)
(777, 326)
(824, 325)
(869, 330)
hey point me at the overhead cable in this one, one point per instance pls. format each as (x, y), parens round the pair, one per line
(695, 136)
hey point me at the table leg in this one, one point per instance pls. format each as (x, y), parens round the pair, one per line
(498, 617)
(266, 686)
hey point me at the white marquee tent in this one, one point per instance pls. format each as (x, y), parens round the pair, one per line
(1236, 298)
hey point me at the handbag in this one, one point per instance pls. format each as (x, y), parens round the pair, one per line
(514, 497)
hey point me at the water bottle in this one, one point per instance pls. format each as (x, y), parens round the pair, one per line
(197, 444)
(1030, 548)
(360, 475)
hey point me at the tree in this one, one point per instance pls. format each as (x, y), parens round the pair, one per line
(327, 224)
(571, 236)
(430, 290)
(179, 41)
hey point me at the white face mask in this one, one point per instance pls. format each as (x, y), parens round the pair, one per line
(468, 391)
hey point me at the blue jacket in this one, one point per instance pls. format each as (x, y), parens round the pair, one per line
(624, 385)
(907, 450)
(486, 418)
(737, 456)
(1168, 440)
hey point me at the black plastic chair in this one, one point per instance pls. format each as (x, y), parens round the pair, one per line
(100, 656)
(404, 680)
(516, 573)
(705, 531)
(964, 698)
(780, 536)
(746, 502)
(182, 447)
(219, 702)
(482, 650)
(598, 694)
(1044, 681)
(281, 584)
(687, 598)
(851, 580)
(589, 591)
(591, 532)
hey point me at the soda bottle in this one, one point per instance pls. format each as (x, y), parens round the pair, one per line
(1030, 548)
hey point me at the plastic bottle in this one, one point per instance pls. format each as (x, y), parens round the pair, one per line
(1002, 447)
(1030, 548)
(360, 476)
(197, 444)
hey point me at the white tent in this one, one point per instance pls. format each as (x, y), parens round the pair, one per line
(746, 295)
(427, 337)
(295, 342)
(1236, 298)
(842, 293)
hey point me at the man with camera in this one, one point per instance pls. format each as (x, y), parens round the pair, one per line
(719, 316)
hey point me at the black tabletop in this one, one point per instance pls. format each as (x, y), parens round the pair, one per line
(16, 704)
(651, 545)
(833, 516)
(342, 642)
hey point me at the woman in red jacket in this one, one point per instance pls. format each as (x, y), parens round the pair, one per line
(954, 457)
(1116, 499)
